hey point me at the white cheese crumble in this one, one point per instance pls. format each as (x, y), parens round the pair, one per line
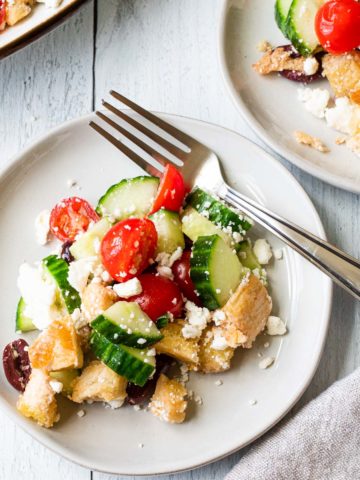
(79, 272)
(81, 413)
(275, 326)
(218, 383)
(117, 403)
(166, 259)
(266, 362)
(252, 402)
(344, 116)
(128, 289)
(56, 386)
(197, 319)
(278, 253)
(311, 66)
(218, 317)
(141, 445)
(315, 100)
(39, 296)
(165, 272)
(219, 341)
(42, 227)
(262, 251)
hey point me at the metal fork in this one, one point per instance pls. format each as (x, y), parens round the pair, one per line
(201, 167)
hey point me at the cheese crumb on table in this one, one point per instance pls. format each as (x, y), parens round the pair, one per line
(310, 141)
(266, 362)
(275, 326)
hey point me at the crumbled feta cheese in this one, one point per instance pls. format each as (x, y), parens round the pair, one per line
(117, 403)
(218, 317)
(219, 342)
(266, 362)
(218, 383)
(42, 227)
(165, 272)
(196, 318)
(56, 386)
(262, 251)
(166, 259)
(141, 341)
(79, 272)
(311, 66)
(81, 413)
(266, 345)
(315, 100)
(278, 253)
(252, 402)
(70, 182)
(344, 116)
(39, 296)
(141, 445)
(128, 289)
(275, 326)
(105, 276)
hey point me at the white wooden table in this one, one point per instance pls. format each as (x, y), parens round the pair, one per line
(162, 54)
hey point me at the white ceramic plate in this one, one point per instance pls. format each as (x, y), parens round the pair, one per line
(37, 23)
(108, 440)
(269, 103)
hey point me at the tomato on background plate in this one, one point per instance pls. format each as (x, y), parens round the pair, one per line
(127, 248)
(181, 271)
(337, 25)
(70, 217)
(159, 295)
(171, 191)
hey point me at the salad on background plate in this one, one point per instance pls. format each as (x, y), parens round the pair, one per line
(13, 11)
(153, 275)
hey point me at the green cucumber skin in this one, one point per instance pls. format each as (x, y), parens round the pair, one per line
(169, 230)
(218, 213)
(101, 206)
(282, 8)
(23, 324)
(250, 261)
(59, 269)
(116, 334)
(292, 31)
(199, 270)
(121, 360)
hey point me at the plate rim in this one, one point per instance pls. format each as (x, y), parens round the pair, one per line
(20, 158)
(295, 159)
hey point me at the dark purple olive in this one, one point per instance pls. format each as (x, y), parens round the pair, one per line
(17, 364)
(301, 77)
(65, 252)
(138, 395)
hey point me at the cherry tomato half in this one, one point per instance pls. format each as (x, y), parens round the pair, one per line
(337, 25)
(181, 271)
(127, 248)
(171, 190)
(159, 295)
(70, 217)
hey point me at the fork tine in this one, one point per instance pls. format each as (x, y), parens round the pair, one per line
(150, 169)
(147, 148)
(170, 147)
(167, 127)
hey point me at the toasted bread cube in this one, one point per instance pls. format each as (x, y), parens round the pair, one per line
(18, 10)
(97, 298)
(57, 347)
(38, 400)
(99, 383)
(246, 312)
(212, 360)
(168, 401)
(343, 73)
(175, 345)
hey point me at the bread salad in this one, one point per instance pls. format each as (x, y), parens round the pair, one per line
(12, 11)
(325, 40)
(151, 277)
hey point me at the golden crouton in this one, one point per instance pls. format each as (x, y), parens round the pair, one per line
(18, 10)
(168, 402)
(38, 401)
(212, 360)
(175, 345)
(246, 312)
(278, 60)
(97, 298)
(343, 73)
(100, 384)
(57, 347)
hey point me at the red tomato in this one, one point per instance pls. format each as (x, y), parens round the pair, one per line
(337, 25)
(127, 248)
(171, 191)
(159, 295)
(181, 271)
(2, 14)
(70, 217)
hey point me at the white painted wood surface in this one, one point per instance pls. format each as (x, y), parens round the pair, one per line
(163, 54)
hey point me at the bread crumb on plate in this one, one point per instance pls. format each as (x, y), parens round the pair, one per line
(309, 140)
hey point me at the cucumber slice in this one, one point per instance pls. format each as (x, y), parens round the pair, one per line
(168, 227)
(88, 244)
(66, 377)
(58, 271)
(248, 260)
(23, 323)
(217, 212)
(194, 225)
(215, 270)
(162, 321)
(300, 25)
(126, 323)
(136, 365)
(282, 8)
(131, 197)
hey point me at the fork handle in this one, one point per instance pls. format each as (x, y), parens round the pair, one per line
(338, 265)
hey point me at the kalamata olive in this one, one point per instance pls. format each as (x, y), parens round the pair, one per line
(65, 252)
(301, 77)
(17, 364)
(138, 395)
